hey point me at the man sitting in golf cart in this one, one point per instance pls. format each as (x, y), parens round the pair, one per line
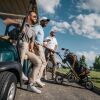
(12, 27)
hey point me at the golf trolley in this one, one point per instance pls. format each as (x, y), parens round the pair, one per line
(78, 75)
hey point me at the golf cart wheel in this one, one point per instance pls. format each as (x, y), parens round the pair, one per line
(7, 86)
(71, 78)
(59, 79)
(89, 85)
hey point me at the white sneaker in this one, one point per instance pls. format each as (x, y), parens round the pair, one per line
(32, 88)
(40, 83)
(24, 77)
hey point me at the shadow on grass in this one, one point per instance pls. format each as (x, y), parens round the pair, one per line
(97, 80)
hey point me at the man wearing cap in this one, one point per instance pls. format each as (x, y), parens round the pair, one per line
(39, 45)
(52, 44)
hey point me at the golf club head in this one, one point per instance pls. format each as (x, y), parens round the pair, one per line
(63, 49)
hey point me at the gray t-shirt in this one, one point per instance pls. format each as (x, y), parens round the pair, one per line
(28, 33)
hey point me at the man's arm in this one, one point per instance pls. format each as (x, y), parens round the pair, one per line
(56, 46)
(9, 21)
(32, 42)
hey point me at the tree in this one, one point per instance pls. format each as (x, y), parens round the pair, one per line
(96, 63)
(82, 61)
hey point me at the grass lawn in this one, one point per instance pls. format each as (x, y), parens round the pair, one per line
(62, 70)
(94, 75)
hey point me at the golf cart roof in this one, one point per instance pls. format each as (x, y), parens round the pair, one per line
(16, 8)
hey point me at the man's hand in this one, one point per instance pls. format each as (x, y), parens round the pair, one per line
(52, 50)
(31, 50)
(31, 46)
(44, 45)
(37, 46)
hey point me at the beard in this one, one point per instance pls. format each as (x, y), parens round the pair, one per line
(43, 25)
(52, 35)
(34, 22)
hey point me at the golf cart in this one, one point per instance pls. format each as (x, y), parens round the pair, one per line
(10, 67)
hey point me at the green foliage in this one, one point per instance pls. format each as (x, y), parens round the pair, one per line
(62, 70)
(96, 63)
(82, 61)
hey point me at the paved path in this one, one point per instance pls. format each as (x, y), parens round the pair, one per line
(52, 91)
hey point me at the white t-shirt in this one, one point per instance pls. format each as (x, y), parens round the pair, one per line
(51, 44)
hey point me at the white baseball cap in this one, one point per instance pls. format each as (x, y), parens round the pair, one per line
(44, 18)
(53, 30)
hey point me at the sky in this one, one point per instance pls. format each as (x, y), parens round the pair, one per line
(77, 24)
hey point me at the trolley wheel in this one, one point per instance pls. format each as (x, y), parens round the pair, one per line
(71, 78)
(59, 79)
(89, 85)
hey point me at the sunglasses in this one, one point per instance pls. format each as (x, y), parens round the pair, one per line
(34, 16)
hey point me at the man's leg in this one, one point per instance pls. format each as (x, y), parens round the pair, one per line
(47, 54)
(52, 57)
(44, 63)
(33, 77)
(23, 49)
(37, 64)
(9, 21)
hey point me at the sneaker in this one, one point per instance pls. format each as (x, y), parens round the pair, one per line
(24, 77)
(41, 84)
(32, 88)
